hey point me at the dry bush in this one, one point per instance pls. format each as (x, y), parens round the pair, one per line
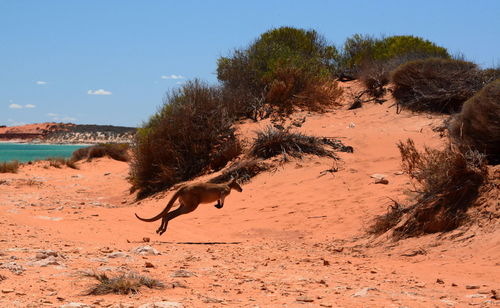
(271, 142)
(117, 151)
(284, 66)
(293, 87)
(446, 182)
(192, 132)
(477, 126)
(376, 74)
(242, 170)
(9, 167)
(223, 152)
(436, 85)
(122, 284)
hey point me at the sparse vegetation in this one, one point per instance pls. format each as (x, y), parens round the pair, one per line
(446, 182)
(58, 162)
(477, 126)
(242, 170)
(284, 68)
(190, 133)
(271, 142)
(436, 85)
(122, 284)
(9, 167)
(117, 151)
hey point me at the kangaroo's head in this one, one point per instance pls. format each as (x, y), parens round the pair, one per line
(233, 184)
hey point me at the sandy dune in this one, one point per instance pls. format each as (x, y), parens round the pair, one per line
(295, 237)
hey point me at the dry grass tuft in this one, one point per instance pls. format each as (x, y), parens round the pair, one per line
(271, 142)
(117, 151)
(9, 167)
(122, 284)
(242, 170)
(59, 162)
(446, 182)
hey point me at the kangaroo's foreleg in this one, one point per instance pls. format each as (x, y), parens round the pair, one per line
(220, 202)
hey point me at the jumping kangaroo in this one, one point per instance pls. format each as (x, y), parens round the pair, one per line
(190, 196)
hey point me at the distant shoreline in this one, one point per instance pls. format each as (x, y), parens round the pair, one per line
(45, 143)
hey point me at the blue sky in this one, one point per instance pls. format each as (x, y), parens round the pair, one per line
(112, 62)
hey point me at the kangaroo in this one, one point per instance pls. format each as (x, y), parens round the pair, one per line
(190, 196)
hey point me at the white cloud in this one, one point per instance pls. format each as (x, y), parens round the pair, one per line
(61, 117)
(68, 119)
(15, 106)
(40, 82)
(99, 92)
(15, 123)
(173, 76)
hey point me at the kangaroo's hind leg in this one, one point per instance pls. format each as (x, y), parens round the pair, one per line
(183, 209)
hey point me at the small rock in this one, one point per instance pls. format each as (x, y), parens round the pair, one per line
(211, 300)
(471, 287)
(13, 267)
(107, 173)
(50, 260)
(146, 239)
(118, 254)
(378, 176)
(454, 284)
(75, 305)
(326, 262)
(476, 296)
(449, 302)
(363, 292)
(7, 290)
(145, 251)
(43, 254)
(182, 274)
(440, 281)
(162, 305)
(305, 299)
(178, 284)
(398, 173)
(382, 181)
(149, 265)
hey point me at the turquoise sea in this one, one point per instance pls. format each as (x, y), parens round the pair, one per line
(25, 152)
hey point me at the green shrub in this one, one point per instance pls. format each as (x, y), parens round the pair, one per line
(477, 126)
(191, 132)
(371, 60)
(436, 85)
(446, 183)
(117, 151)
(281, 64)
(361, 51)
(9, 167)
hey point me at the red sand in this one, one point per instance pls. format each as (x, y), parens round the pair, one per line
(293, 237)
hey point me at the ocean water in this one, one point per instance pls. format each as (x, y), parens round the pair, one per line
(25, 152)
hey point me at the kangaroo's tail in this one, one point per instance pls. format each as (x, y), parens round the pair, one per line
(165, 211)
